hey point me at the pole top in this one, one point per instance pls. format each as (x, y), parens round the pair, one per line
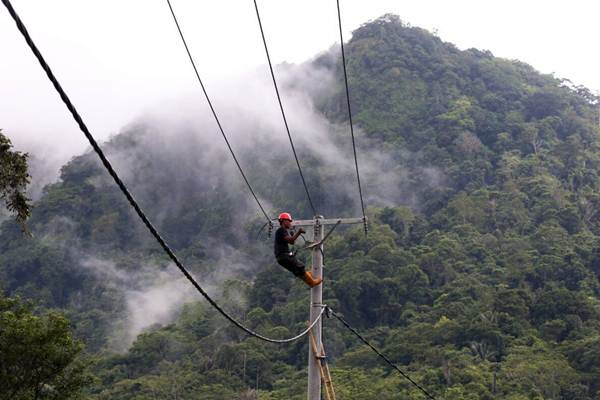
(319, 220)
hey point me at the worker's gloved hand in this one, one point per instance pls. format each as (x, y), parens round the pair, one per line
(301, 231)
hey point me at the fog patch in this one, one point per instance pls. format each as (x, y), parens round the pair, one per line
(185, 131)
(47, 154)
(158, 302)
(177, 146)
(154, 294)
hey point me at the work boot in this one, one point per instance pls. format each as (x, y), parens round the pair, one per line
(309, 280)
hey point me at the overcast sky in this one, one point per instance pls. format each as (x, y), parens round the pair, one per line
(116, 58)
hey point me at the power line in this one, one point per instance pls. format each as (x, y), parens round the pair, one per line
(214, 112)
(381, 355)
(362, 203)
(107, 165)
(126, 192)
(262, 33)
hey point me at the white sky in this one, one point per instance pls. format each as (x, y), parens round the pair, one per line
(116, 58)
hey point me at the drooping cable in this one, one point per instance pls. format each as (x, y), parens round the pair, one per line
(362, 203)
(287, 128)
(126, 192)
(214, 113)
(379, 353)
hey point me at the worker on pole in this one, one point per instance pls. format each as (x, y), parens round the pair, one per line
(286, 258)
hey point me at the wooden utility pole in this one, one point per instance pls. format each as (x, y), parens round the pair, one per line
(316, 295)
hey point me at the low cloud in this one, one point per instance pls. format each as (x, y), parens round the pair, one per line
(156, 303)
(154, 294)
(177, 145)
(184, 131)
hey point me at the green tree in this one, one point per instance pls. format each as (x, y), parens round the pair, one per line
(38, 355)
(536, 372)
(13, 180)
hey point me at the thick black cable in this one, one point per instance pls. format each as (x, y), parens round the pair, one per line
(362, 203)
(381, 355)
(287, 128)
(214, 113)
(126, 192)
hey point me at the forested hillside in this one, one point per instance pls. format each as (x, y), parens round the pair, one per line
(479, 276)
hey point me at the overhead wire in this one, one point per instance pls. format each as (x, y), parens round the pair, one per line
(329, 311)
(362, 203)
(214, 113)
(153, 230)
(107, 165)
(287, 128)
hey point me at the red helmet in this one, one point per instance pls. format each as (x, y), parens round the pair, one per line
(285, 215)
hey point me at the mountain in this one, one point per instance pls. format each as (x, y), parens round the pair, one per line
(479, 275)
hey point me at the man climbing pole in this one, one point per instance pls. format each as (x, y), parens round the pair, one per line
(286, 258)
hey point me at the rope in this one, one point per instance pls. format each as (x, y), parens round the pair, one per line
(382, 356)
(362, 203)
(287, 128)
(214, 112)
(126, 192)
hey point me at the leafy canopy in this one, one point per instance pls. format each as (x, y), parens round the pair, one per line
(13, 180)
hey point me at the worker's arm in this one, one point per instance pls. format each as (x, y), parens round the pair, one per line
(291, 239)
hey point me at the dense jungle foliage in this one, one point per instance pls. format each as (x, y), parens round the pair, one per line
(481, 279)
(14, 180)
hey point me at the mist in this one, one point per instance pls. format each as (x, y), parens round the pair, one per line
(247, 108)
(175, 146)
(155, 293)
(152, 294)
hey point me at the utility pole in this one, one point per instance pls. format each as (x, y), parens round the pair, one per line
(316, 302)
(316, 294)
